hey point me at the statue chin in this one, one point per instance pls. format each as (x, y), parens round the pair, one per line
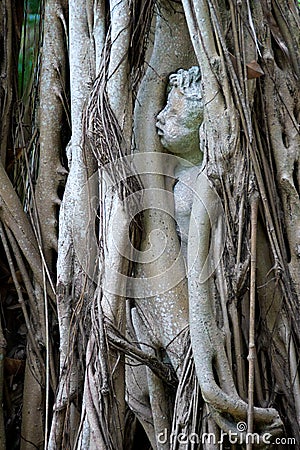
(186, 146)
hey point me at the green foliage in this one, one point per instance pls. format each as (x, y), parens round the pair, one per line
(28, 47)
(33, 6)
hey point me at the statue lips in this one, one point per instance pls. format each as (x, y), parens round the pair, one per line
(160, 131)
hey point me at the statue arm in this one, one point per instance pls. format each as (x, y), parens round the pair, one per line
(207, 341)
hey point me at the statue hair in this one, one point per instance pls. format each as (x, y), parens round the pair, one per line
(188, 82)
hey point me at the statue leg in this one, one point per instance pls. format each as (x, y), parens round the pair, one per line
(137, 397)
(146, 392)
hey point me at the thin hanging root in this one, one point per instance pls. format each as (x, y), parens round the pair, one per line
(20, 297)
(161, 370)
(252, 349)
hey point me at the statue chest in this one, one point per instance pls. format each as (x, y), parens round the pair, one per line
(183, 200)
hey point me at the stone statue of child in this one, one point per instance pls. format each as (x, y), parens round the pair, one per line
(178, 126)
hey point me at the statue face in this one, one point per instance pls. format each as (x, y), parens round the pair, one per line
(178, 123)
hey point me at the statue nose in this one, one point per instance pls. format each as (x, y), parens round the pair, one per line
(161, 118)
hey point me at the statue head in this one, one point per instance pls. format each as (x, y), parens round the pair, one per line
(178, 123)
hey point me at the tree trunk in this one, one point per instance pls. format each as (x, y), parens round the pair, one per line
(191, 344)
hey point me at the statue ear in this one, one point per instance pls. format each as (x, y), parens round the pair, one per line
(195, 73)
